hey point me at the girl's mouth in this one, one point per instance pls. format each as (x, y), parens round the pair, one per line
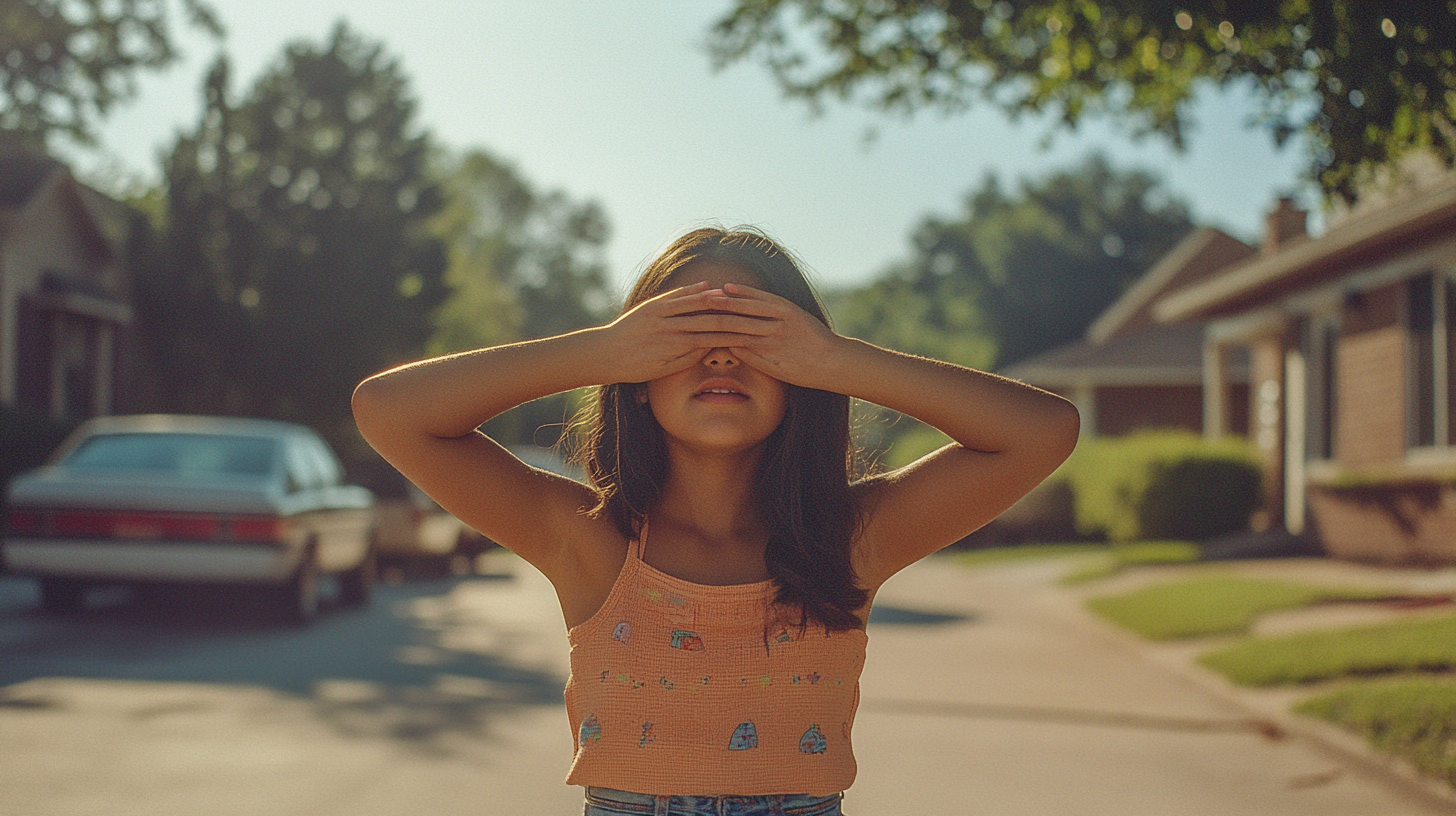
(720, 395)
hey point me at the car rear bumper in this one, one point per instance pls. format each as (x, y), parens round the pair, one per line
(169, 561)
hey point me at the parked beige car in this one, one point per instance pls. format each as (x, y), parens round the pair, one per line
(191, 500)
(410, 526)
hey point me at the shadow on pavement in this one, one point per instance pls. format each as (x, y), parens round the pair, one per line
(386, 671)
(901, 616)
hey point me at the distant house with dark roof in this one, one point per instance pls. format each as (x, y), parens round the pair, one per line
(1352, 344)
(65, 304)
(1131, 373)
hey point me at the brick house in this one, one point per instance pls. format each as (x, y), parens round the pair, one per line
(1129, 372)
(1351, 342)
(64, 291)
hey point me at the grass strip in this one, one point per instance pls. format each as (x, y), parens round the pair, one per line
(1413, 718)
(1117, 556)
(1425, 644)
(1213, 605)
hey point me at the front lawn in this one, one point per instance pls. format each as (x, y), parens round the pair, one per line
(1414, 718)
(1427, 644)
(1213, 605)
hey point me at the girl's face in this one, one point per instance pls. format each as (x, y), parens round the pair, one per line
(720, 405)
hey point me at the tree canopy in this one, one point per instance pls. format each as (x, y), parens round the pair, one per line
(522, 264)
(1366, 81)
(65, 63)
(1017, 273)
(298, 258)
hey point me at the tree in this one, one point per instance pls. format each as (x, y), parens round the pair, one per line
(65, 63)
(299, 259)
(522, 264)
(1015, 275)
(1366, 81)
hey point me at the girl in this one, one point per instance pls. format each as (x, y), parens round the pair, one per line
(717, 575)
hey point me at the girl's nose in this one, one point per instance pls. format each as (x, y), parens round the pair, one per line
(721, 358)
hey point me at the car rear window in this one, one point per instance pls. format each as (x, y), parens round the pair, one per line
(182, 454)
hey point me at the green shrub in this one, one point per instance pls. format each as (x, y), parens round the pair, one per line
(1163, 485)
(1413, 718)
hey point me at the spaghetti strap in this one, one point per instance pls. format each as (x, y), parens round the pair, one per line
(639, 544)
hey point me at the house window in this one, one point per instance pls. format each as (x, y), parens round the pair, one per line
(1321, 335)
(1431, 383)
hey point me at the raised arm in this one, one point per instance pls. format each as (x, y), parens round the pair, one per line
(422, 417)
(1008, 436)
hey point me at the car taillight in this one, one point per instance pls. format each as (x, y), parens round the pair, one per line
(258, 528)
(23, 522)
(144, 526)
(81, 524)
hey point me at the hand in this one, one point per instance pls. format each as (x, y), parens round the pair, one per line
(785, 342)
(673, 331)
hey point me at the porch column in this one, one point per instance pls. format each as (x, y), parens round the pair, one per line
(101, 401)
(1295, 418)
(1215, 389)
(1266, 410)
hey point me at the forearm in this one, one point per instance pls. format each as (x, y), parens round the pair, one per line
(450, 396)
(980, 411)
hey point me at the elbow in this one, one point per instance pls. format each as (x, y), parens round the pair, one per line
(1064, 428)
(367, 405)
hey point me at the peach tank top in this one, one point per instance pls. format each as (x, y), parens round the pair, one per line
(679, 688)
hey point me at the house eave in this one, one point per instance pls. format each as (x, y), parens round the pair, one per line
(1347, 245)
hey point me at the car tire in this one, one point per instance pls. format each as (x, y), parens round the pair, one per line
(297, 601)
(59, 596)
(356, 585)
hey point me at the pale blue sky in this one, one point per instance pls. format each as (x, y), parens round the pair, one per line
(616, 101)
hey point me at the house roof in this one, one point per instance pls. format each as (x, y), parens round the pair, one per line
(21, 175)
(1353, 242)
(1162, 355)
(1200, 255)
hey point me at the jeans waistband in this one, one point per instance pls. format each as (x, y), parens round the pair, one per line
(609, 802)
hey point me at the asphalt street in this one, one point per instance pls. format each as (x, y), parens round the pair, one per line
(985, 692)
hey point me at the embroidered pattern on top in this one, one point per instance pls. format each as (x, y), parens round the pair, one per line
(813, 741)
(744, 737)
(687, 641)
(591, 730)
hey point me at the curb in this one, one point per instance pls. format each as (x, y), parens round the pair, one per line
(1394, 772)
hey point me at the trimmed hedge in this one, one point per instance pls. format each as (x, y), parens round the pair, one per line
(1163, 485)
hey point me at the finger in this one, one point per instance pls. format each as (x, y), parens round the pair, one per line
(762, 308)
(712, 340)
(677, 293)
(742, 292)
(719, 322)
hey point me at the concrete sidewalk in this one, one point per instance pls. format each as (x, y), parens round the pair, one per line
(987, 691)
(1031, 706)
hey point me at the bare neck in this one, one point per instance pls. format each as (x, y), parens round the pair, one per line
(712, 495)
(707, 526)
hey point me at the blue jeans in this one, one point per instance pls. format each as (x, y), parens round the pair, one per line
(608, 802)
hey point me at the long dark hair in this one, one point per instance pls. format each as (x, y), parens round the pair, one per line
(803, 475)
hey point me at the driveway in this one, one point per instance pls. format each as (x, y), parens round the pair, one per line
(986, 692)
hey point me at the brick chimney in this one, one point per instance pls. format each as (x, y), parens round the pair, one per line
(1283, 226)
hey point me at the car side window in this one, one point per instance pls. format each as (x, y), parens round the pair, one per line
(303, 471)
(331, 473)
